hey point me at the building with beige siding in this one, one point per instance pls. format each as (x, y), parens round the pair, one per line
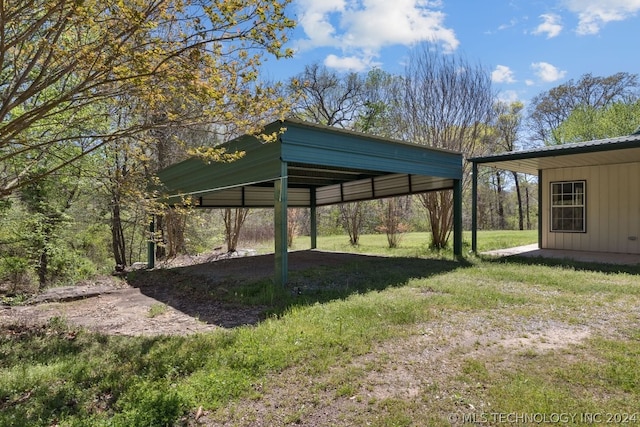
(589, 193)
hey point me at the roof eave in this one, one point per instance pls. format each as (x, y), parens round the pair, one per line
(583, 148)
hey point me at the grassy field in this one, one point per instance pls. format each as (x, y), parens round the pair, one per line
(397, 341)
(412, 244)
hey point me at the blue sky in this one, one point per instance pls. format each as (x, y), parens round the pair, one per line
(528, 46)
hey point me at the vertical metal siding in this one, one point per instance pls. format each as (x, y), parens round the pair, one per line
(612, 209)
(633, 246)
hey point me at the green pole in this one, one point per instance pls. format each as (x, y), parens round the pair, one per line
(151, 244)
(474, 208)
(457, 218)
(280, 224)
(314, 219)
(540, 208)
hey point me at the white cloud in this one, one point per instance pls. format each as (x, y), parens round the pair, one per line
(379, 23)
(512, 23)
(315, 19)
(550, 25)
(508, 96)
(547, 72)
(594, 14)
(502, 74)
(348, 63)
(361, 28)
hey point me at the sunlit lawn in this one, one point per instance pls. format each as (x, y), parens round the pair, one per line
(411, 244)
(58, 375)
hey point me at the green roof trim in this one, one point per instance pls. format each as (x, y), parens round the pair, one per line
(566, 155)
(318, 156)
(332, 147)
(619, 143)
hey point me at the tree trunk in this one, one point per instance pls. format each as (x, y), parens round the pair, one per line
(440, 208)
(43, 267)
(519, 195)
(392, 212)
(352, 215)
(501, 219)
(43, 261)
(233, 221)
(294, 224)
(117, 235)
(175, 222)
(526, 193)
(161, 249)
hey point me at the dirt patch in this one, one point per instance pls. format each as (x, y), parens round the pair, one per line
(425, 370)
(179, 297)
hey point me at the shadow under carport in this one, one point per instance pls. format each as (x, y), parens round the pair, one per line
(240, 291)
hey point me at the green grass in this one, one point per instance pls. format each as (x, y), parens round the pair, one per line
(157, 309)
(414, 244)
(335, 336)
(602, 377)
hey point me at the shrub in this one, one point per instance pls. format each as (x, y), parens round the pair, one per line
(19, 273)
(70, 266)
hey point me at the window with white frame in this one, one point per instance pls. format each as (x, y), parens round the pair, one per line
(568, 206)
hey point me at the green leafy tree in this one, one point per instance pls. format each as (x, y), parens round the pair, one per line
(508, 126)
(377, 117)
(65, 65)
(379, 113)
(549, 109)
(590, 123)
(47, 202)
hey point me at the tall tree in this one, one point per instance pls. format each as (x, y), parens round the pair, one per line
(551, 108)
(378, 117)
(507, 125)
(392, 213)
(333, 100)
(64, 65)
(447, 102)
(233, 221)
(47, 202)
(589, 123)
(328, 98)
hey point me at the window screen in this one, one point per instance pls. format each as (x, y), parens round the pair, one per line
(568, 206)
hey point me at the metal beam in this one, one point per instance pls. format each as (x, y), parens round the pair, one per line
(314, 219)
(457, 217)
(151, 243)
(474, 208)
(540, 208)
(280, 224)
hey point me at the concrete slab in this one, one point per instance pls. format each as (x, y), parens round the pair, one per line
(532, 251)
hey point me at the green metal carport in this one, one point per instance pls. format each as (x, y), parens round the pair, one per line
(313, 165)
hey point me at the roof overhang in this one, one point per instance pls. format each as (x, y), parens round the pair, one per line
(624, 149)
(323, 166)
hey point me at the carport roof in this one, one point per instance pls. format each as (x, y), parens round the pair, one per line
(338, 165)
(622, 149)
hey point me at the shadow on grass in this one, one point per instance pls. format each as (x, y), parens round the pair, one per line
(566, 263)
(240, 291)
